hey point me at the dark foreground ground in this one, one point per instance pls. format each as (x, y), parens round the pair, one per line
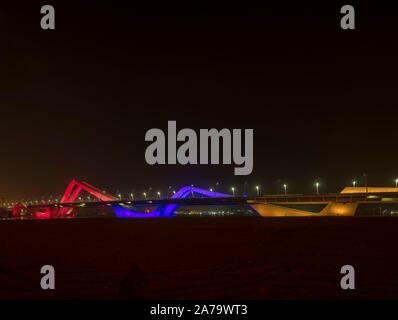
(200, 258)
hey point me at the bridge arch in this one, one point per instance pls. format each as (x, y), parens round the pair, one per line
(168, 209)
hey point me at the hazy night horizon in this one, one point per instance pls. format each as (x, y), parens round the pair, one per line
(78, 100)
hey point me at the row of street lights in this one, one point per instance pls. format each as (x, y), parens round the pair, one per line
(145, 195)
(317, 184)
(258, 189)
(354, 183)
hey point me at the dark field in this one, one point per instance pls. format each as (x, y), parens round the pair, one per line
(200, 258)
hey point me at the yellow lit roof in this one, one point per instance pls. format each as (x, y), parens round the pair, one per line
(370, 190)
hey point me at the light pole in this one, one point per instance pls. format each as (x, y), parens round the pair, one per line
(396, 183)
(233, 191)
(149, 192)
(132, 196)
(285, 187)
(159, 194)
(354, 183)
(168, 192)
(366, 181)
(258, 191)
(317, 187)
(144, 195)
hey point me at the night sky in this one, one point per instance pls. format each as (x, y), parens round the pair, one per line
(77, 101)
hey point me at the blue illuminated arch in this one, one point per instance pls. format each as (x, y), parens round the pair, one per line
(168, 209)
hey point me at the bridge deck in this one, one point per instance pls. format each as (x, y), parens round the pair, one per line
(294, 198)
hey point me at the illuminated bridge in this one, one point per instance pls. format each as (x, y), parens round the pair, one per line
(350, 202)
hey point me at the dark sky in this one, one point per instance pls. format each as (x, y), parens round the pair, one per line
(76, 101)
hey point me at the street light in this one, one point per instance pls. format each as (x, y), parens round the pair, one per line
(285, 187)
(159, 194)
(144, 195)
(354, 183)
(233, 191)
(168, 192)
(132, 196)
(258, 190)
(396, 183)
(317, 187)
(149, 191)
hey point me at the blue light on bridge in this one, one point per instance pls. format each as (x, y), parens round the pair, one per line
(168, 209)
